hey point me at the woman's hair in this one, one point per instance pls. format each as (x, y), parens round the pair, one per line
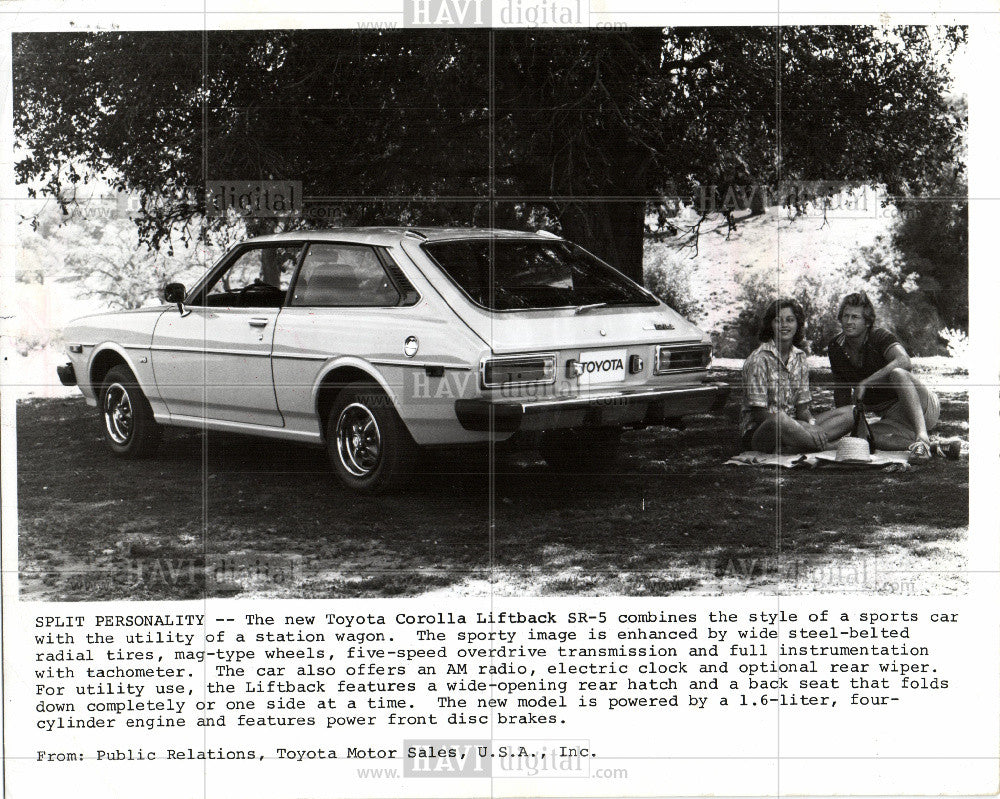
(858, 300)
(766, 332)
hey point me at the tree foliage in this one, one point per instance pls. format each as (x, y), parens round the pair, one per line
(574, 129)
(101, 255)
(932, 236)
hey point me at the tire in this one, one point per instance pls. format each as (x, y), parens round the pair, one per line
(581, 449)
(126, 418)
(367, 443)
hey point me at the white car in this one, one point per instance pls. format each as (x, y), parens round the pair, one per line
(375, 342)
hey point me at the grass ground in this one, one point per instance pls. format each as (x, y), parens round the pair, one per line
(224, 516)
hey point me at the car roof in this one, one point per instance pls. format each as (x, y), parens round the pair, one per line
(391, 235)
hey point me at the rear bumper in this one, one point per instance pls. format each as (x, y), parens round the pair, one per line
(67, 375)
(611, 409)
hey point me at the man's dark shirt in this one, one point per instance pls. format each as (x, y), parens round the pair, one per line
(874, 355)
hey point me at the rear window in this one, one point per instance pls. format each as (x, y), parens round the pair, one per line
(504, 275)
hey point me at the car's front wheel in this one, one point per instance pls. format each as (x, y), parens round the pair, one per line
(581, 449)
(369, 446)
(128, 424)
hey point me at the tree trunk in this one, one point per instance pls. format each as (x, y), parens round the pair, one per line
(613, 231)
(757, 199)
(270, 266)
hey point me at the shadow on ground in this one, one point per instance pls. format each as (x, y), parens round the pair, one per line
(221, 515)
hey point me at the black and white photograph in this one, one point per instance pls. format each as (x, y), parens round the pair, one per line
(501, 398)
(622, 311)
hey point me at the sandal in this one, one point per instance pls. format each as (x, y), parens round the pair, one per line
(919, 451)
(950, 448)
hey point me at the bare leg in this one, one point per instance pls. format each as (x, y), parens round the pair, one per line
(908, 421)
(783, 434)
(836, 422)
(909, 389)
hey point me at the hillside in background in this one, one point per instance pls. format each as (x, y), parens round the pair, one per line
(724, 284)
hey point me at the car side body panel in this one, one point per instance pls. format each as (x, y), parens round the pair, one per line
(311, 344)
(216, 363)
(126, 335)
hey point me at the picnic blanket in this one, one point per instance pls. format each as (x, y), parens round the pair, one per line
(896, 459)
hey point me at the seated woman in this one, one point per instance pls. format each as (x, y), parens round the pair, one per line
(774, 413)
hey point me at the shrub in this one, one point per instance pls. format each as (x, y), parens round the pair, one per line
(877, 270)
(29, 341)
(902, 302)
(915, 320)
(668, 275)
(819, 293)
(957, 343)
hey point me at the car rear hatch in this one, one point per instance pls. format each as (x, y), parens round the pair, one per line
(567, 329)
(559, 322)
(525, 294)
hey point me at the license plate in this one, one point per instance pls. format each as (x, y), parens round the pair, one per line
(603, 366)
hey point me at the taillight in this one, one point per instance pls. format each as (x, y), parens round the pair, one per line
(520, 370)
(674, 358)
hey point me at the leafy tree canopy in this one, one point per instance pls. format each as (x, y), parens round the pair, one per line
(572, 129)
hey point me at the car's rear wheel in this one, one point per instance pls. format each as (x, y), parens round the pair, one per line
(127, 420)
(368, 445)
(581, 449)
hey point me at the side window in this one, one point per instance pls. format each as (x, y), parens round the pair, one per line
(345, 275)
(258, 278)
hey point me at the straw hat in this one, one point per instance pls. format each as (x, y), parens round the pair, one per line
(853, 450)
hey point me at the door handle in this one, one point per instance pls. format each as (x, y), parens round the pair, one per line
(258, 321)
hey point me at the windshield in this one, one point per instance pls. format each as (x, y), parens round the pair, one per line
(532, 274)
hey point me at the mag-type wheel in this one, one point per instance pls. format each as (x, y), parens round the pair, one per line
(368, 444)
(128, 423)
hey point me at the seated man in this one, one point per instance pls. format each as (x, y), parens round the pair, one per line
(869, 364)
(774, 413)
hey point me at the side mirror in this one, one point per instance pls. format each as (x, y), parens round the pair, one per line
(174, 293)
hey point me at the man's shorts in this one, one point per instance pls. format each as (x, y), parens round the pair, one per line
(894, 414)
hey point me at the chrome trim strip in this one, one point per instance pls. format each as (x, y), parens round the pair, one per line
(123, 346)
(300, 357)
(205, 351)
(422, 365)
(268, 431)
(587, 399)
(683, 371)
(304, 357)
